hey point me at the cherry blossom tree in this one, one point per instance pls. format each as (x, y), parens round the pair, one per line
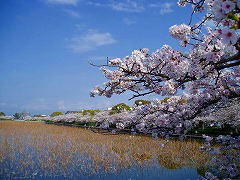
(206, 72)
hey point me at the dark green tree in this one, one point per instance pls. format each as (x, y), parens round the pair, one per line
(56, 114)
(2, 114)
(141, 102)
(21, 115)
(120, 108)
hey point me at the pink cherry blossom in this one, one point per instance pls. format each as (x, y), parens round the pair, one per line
(180, 32)
(182, 3)
(188, 82)
(228, 6)
(191, 80)
(229, 36)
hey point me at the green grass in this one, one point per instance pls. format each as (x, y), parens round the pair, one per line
(35, 120)
(1, 119)
(48, 121)
(112, 126)
(90, 112)
(91, 124)
(215, 131)
(80, 123)
(88, 124)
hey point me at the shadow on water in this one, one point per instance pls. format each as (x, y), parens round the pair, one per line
(40, 151)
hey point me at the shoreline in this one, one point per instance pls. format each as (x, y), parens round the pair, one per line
(109, 131)
(116, 131)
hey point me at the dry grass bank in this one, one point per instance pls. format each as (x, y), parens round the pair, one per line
(52, 149)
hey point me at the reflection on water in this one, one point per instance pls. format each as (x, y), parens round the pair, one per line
(37, 150)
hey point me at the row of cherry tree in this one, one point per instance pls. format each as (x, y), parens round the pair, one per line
(207, 73)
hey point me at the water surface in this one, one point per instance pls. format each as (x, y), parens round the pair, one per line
(40, 151)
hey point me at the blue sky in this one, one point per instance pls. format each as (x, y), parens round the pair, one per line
(46, 47)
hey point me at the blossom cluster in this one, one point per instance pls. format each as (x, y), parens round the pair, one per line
(71, 117)
(6, 117)
(181, 32)
(104, 119)
(225, 157)
(205, 73)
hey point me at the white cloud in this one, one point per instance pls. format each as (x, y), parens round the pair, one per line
(77, 106)
(3, 104)
(66, 2)
(96, 4)
(61, 105)
(164, 7)
(72, 13)
(43, 105)
(134, 6)
(127, 6)
(98, 58)
(155, 5)
(91, 40)
(80, 27)
(36, 104)
(128, 21)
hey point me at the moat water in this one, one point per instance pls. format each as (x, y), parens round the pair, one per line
(34, 150)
